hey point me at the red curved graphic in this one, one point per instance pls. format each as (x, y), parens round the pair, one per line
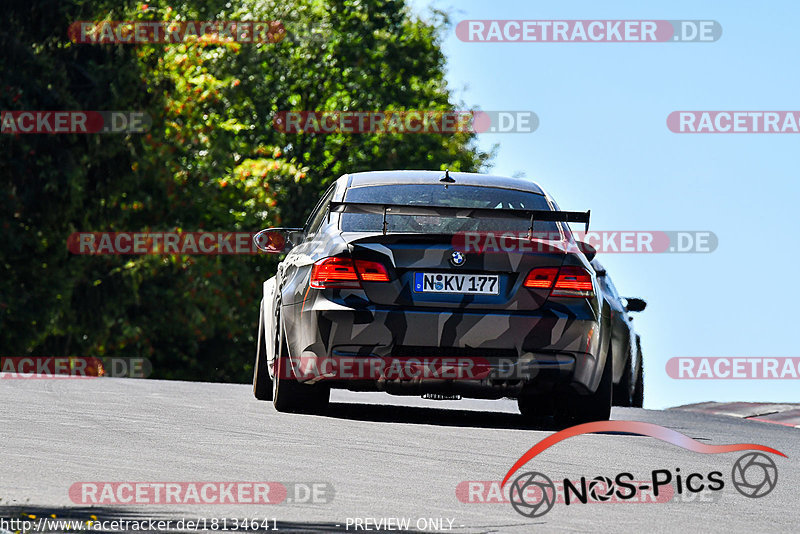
(634, 427)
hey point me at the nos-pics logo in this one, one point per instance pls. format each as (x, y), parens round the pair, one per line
(533, 494)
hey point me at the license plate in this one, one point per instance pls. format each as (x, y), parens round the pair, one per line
(465, 284)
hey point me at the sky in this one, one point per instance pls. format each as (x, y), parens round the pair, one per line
(603, 144)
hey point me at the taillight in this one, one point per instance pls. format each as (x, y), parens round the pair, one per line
(573, 281)
(541, 278)
(342, 273)
(568, 281)
(334, 272)
(372, 271)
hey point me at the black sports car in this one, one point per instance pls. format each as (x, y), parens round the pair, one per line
(439, 284)
(629, 389)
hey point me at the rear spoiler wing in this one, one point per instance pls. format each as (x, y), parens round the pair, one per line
(446, 211)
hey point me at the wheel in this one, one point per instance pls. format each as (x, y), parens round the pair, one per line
(623, 392)
(262, 384)
(289, 395)
(576, 409)
(535, 407)
(638, 389)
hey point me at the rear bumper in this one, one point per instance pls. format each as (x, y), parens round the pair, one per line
(556, 346)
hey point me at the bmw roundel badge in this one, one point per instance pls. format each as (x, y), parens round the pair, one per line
(457, 258)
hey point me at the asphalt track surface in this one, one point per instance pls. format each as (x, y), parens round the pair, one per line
(385, 456)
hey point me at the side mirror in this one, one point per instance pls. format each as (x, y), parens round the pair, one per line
(588, 250)
(276, 240)
(635, 305)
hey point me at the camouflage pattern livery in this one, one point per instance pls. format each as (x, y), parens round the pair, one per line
(552, 343)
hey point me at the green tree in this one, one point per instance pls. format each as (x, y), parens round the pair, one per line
(212, 160)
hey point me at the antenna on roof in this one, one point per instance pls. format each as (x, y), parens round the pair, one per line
(447, 178)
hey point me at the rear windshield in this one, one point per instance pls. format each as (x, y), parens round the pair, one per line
(457, 196)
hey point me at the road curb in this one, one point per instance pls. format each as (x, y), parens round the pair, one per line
(785, 414)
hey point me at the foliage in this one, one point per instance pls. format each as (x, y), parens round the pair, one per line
(211, 160)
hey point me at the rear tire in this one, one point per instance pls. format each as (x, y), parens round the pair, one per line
(638, 390)
(289, 395)
(623, 392)
(576, 409)
(535, 407)
(262, 384)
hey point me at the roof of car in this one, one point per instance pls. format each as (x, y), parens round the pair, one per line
(432, 177)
